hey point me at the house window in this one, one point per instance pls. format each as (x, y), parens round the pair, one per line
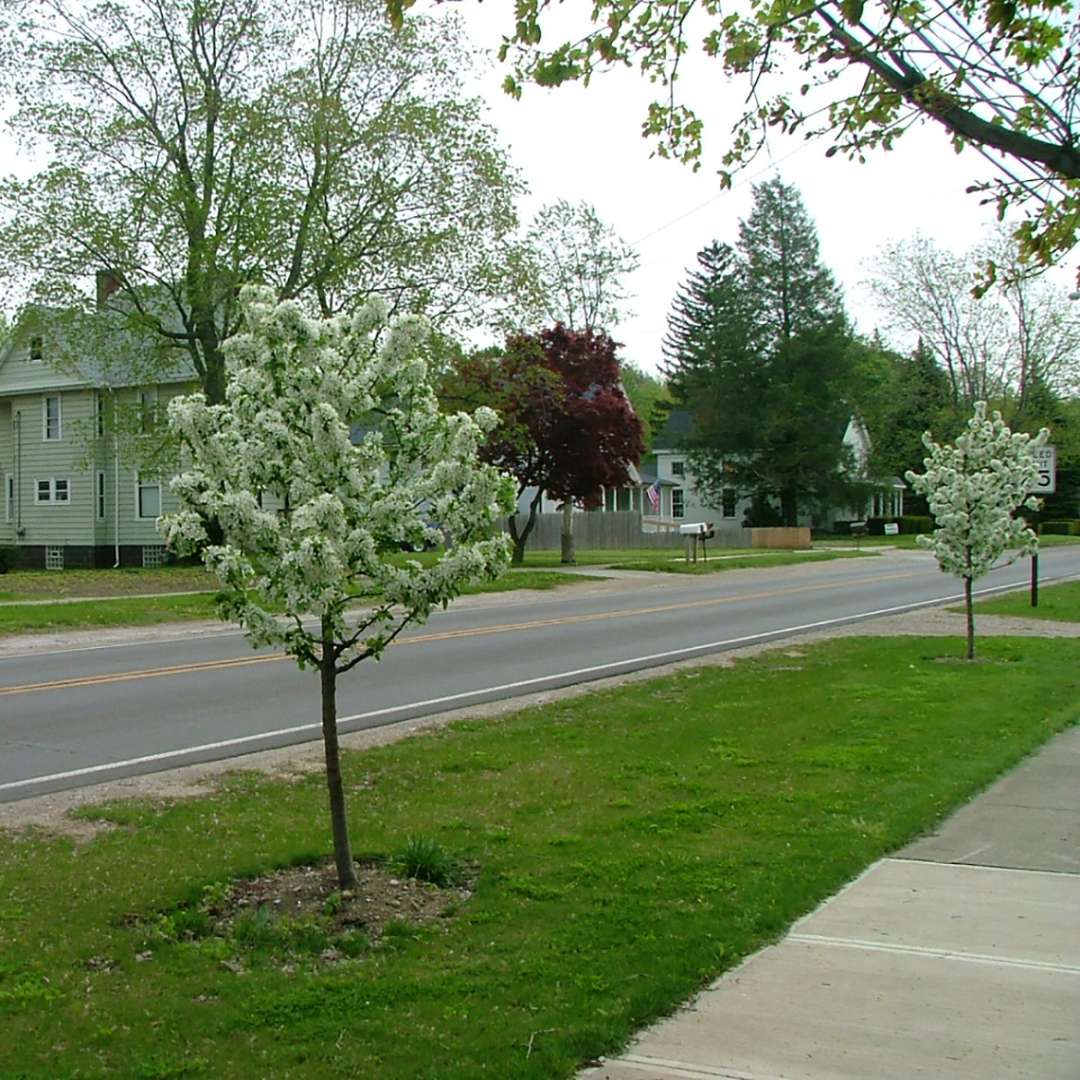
(99, 496)
(678, 503)
(51, 419)
(727, 502)
(99, 414)
(153, 556)
(37, 348)
(54, 558)
(678, 468)
(147, 498)
(148, 402)
(52, 491)
(9, 495)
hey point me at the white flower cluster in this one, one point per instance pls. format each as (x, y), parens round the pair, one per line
(309, 517)
(974, 489)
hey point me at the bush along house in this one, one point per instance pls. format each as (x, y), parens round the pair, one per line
(72, 492)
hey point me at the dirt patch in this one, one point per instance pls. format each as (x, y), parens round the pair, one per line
(311, 894)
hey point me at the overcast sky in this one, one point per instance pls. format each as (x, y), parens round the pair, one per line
(578, 143)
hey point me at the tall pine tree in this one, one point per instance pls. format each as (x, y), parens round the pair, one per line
(759, 352)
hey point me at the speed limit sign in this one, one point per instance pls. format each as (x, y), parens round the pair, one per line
(1046, 459)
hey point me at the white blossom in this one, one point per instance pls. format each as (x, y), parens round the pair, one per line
(975, 490)
(309, 519)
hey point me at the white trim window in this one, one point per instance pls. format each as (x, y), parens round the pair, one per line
(678, 503)
(678, 468)
(147, 499)
(53, 491)
(99, 495)
(99, 414)
(52, 425)
(54, 558)
(36, 352)
(727, 502)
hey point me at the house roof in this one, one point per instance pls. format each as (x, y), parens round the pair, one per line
(86, 353)
(677, 426)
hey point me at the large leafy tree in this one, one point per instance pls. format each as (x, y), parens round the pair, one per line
(1000, 77)
(757, 349)
(283, 438)
(566, 426)
(903, 397)
(1016, 345)
(196, 145)
(573, 267)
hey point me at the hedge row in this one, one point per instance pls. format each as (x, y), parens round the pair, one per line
(875, 526)
(1061, 528)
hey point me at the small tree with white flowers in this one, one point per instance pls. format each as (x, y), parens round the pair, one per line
(974, 489)
(310, 518)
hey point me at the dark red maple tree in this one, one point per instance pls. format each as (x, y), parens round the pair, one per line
(566, 426)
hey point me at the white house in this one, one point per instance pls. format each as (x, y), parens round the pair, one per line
(70, 497)
(680, 498)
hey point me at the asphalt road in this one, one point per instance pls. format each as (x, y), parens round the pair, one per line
(76, 716)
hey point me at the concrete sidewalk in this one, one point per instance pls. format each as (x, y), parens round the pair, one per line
(958, 957)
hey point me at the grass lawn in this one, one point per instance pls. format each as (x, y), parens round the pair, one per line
(625, 847)
(127, 581)
(1060, 602)
(910, 541)
(150, 610)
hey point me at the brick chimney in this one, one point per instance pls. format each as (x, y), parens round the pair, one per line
(108, 281)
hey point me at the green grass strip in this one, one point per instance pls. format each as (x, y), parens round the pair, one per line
(628, 846)
(151, 610)
(98, 614)
(717, 564)
(1057, 602)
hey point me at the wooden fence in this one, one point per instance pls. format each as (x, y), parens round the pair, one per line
(606, 530)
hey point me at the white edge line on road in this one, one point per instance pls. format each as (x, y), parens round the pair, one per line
(579, 673)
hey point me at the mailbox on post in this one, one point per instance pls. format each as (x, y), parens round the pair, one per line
(696, 532)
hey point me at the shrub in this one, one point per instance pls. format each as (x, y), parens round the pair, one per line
(916, 523)
(10, 557)
(1055, 528)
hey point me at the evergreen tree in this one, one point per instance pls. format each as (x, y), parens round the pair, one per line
(793, 292)
(758, 350)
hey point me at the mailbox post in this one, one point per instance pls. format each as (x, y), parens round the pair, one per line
(695, 532)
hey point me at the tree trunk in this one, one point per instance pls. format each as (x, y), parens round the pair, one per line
(520, 539)
(789, 507)
(339, 822)
(970, 613)
(569, 555)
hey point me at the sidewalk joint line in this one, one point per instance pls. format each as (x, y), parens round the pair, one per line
(942, 954)
(984, 866)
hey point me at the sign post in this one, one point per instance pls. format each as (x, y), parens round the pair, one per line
(1046, 459)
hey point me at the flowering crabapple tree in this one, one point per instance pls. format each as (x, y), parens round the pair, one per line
(309, 518)
(974, 489)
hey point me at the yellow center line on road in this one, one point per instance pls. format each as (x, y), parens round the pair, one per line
(446, 635)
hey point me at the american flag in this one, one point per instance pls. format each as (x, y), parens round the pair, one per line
(654, 495)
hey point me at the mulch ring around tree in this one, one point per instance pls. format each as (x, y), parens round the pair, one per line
(311, 893)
